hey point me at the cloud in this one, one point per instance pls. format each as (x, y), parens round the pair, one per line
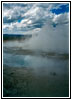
(13, 12)
(30, 16)
(61, 18)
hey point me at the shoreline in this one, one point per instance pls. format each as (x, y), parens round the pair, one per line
(23, 82)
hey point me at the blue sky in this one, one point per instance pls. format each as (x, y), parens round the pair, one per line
(21, 18)
(61, 9)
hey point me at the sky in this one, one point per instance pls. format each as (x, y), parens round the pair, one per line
(29, 18)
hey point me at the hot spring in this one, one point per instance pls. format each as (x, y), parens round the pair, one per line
(47, 56)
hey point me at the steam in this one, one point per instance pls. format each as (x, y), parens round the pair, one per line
(50, 39)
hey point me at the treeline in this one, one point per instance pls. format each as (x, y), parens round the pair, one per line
(15, 36)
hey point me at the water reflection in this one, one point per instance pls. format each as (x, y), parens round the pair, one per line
(49, 71)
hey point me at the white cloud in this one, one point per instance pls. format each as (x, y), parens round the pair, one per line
(31, 15)
(24, 21)
(29, 22)
(32, 11)
(61, 18)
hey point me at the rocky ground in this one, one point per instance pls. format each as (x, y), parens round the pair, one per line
(22, 82)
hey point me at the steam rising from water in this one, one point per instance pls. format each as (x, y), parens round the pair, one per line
(49, 39)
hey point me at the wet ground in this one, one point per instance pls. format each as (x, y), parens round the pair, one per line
(29, 73)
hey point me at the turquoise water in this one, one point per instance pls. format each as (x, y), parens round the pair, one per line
(51, 70)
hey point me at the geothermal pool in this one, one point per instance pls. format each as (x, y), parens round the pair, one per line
(50, 70)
